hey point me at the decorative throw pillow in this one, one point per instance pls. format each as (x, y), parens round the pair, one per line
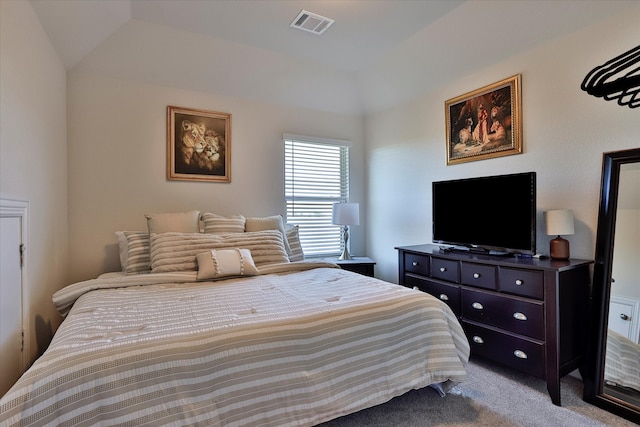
(178, 251)
(218, 263)
(134, 251)
(181, 222)
(216, 224)
(293, 238)
(268, 223)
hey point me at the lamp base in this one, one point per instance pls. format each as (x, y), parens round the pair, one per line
(345, 252)
(345, 255)
(559, 248)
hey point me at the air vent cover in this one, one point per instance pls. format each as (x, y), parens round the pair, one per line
(311, 22)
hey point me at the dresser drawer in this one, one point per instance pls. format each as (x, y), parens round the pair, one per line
(513, 314)
(516, 352)
(418, 264)
(516, 281)
(444, 269)
(479, 275)
(450, 294)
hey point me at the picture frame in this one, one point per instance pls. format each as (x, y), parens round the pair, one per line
(198, 145)
(485, 123)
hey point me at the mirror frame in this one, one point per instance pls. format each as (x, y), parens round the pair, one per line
(593, 374)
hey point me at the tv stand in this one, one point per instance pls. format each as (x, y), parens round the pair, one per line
(525, 313)
(476, 250)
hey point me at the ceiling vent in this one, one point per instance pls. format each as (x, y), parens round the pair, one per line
(311, 22)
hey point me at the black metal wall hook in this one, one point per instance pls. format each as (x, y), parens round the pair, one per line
(617, 79)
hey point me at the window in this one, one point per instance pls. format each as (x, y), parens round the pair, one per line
(316, 176)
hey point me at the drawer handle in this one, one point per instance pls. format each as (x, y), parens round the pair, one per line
(624, 316)
(476, 275)
(519, 282)
(520, 354)
(477, 306)
(443, 297)
(478, 340)
(519, 316)
(415, 263)
(443, 269)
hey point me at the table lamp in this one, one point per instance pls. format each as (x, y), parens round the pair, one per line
(345, 214)
(559, 222)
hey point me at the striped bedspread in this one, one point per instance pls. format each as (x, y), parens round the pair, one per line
(297, 347)
(622, 361)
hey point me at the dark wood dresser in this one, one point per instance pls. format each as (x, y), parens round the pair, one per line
(526, 313)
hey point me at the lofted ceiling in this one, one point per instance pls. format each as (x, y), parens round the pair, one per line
(377, 53)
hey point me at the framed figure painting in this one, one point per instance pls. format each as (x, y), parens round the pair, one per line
(484, 123)
(198, 145)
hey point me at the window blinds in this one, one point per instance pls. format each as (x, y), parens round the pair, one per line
(316, 177)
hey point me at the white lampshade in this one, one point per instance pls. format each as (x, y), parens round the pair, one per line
(346, 214)
(559, 222)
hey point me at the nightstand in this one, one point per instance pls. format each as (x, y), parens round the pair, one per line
(362, 265)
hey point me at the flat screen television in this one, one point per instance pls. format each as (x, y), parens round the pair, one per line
(492, 214)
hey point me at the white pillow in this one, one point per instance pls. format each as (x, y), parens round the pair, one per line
(218, 263)
(216, 224)
(134, 251)
(181, 222)
(293, 238)
(178, 251)
(268, 223)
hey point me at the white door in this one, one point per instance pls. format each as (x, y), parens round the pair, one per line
(624, 317)
(620, 318)
(11, 316)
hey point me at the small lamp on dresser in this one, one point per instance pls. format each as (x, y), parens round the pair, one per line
(559, 222)
(346, 214)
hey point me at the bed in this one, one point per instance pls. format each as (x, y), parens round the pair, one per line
(205, 339)
(622, 364)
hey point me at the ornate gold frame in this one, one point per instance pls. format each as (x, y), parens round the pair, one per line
(485, 123)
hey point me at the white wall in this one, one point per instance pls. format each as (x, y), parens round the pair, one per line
(625, 268)
(565, 132)
(117, 161)
(33, 155)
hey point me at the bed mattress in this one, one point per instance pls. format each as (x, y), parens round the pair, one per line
(296, 347)
(622, 362)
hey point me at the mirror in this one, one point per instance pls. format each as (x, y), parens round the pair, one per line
(612, 368)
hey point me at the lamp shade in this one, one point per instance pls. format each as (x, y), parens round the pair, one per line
(559, 222)
(346, 214)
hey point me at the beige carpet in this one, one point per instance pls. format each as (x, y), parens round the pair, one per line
(491, 396)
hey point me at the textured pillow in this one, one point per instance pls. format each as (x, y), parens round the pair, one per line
(134, 251)
(268, 223)
(218, 263)
(216, 224)
(181, 222)
(178, 251)
(293, 238)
